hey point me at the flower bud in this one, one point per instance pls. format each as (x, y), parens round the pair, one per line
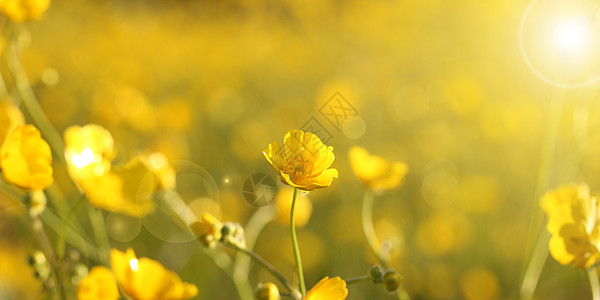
(267, 291)
(36, 202)
(391, 281)
(233, 233)
(376, 274)
(208, 230)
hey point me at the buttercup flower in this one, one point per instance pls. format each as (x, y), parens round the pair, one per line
(208, 229)
(99, 284)
(573, 222)
(283, 201)
(26, 160)
(303, 161)
(89, 150)
(376, 172)
(23, 10)
(328, 289)
(125, 189)
(10, 118)
(165, 174)
(147, 279)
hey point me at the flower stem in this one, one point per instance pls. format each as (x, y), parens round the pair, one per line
(100, 234)
(38, 227)
(595, 285)
(295, 246)
(357, 279)
(369, 230)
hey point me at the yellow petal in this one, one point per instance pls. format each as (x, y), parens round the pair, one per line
(10, 118)
(207, 229)
(23, 10)
(374, 171)
(328, 289)
(99, 284)
(26, 159)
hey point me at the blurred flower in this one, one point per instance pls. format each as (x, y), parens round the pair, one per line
(26, 160)
(36, 202)
(89, 150)
(303, 161)
(376, 172)
(127, 189)
(573, 223)
(207, 229)
(24, 10)
(267, 291)
(146, 279)
(328, 289)
(283, 202)
(99, 284)
(233, 234)
(163, 171)
(10, 118)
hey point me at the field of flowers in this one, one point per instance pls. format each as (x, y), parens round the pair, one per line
(316, 150)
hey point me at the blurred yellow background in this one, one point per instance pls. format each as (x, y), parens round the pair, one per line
(440, 85)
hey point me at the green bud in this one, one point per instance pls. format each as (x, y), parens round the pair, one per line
(267, 291)
(376, 274)
(391, 281)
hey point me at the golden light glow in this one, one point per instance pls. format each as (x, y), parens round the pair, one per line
(133, 264)
(84, 158)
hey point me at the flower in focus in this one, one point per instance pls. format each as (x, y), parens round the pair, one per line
(303, 161)
(283, 202)
(125, 189)
(10, 118)
(99, 284)
(23, 10)
(267, 291)
(26, 159)
(146, 279)
(573, 223)
(208, 229)
(328, 289)
(89, 150)
(376, 172)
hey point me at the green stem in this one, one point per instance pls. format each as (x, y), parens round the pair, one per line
(295, 246)
(594, 284)
(369, 230)
(537, 259)
(60, 246)
(357, 279)
(100, 234)
(38, 227)
(268, 266)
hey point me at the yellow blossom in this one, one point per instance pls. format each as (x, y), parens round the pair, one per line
(99, 284)
(23, 10)
(26, 160)
(89, 150)
(573, 223)
(208, 229)
(163, 171)
(328, 289)
(303, 161)
(125, 189)
(147, 279)
(376, 172)
(283, 201)
(10, 118)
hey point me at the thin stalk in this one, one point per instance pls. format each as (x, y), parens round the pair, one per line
(61, 244)
(297, 258)
(38, 227)
(357, 279)
(267, 265)
(100, 234)
(594, 284)
(369, 230)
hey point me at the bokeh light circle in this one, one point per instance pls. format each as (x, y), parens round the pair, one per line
(559, 43)
(354, 127)
(122, 227)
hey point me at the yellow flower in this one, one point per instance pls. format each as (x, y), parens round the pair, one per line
(208, 229)
(328, 289)
(283, 201)
(10, 118)
(26, 160)
(89, 150)
(23, 10)
(573, 222)
(303, 161)
(376, 172)
(99, 284)
(147, 279)
(165, 174)
(125, 189)
(268, 291)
